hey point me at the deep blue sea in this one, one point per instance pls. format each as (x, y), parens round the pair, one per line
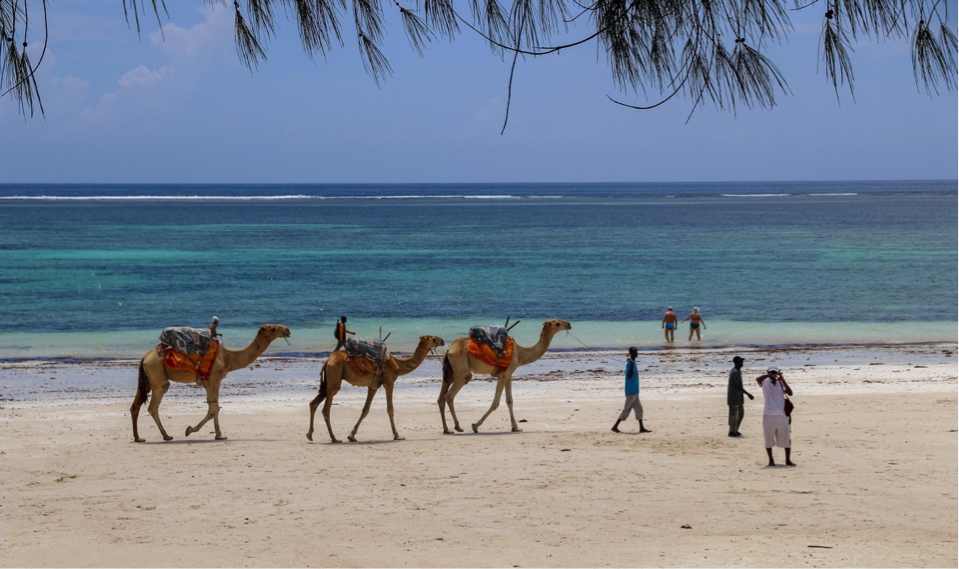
(99, 270)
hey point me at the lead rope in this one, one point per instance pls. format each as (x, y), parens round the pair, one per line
(568, 333)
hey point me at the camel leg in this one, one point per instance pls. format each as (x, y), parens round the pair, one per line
(212, 408)
(499, 393)
(389, 410)
(331, 391)
(370, 394)
(134, 413)
(154, 408)
(509, 404)
(441, 401)
(215, 407)
(313, 406)
(457, 385)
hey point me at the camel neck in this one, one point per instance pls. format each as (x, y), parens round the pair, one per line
(528, 354)
(237, 359)
(407, 365)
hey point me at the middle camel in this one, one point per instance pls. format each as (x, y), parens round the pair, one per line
(338, 369)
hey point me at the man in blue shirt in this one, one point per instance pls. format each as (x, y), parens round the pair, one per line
(632, 393)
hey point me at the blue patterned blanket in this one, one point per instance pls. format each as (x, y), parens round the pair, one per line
(493, 336)
(370, 349)
(186, 340)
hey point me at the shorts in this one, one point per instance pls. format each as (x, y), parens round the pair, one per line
(776, 431)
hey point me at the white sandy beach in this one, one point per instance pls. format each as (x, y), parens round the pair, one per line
(874, 437)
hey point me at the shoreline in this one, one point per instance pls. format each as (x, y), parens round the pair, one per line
(647, 348)
(833, 369)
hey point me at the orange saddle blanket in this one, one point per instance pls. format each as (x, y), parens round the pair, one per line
(489, 356)
(190, 363)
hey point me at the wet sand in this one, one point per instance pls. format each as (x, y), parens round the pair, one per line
(875, 485)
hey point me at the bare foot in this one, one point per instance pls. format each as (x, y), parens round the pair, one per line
(790, 463)
(645, 431)
(771, 463)
(616, 430)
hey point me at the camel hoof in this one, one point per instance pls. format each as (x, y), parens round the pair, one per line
(398, 438)
(517, 430)
(139, 440)
(351, 438)
(309, 437)
(458, 429)
(475, 428)
(221, 437)
(448, 432)
(188, 431)
(334, 441)
(167, 438)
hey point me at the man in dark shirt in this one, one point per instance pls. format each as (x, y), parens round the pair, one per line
(341, 333)
(734, 397)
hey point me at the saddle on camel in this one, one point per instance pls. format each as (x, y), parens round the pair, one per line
(491, 345)
(189, 349)
(367, 356)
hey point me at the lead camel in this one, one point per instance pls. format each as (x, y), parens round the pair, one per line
(459, 367)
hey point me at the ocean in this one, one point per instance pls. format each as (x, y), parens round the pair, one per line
(97, 271)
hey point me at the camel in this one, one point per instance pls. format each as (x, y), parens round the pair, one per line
(337, 369)
(153, 377)
(459, 366)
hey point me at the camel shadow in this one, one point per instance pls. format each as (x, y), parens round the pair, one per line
(206, 441)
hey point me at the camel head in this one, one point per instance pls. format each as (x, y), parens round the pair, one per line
(552, 327)
(431, 342)
(274, 331)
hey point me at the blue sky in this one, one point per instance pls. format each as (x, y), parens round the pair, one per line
(183, 109)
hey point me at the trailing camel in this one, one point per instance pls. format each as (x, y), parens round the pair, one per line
(155, 379)
(459, 367)
(338, 369)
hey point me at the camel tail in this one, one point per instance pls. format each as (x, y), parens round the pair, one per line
(447, 368)
(323, 378)
(143, 386)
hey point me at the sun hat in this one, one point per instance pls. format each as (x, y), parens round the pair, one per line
(772, 369)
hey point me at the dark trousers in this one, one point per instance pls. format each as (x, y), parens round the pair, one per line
(735, 417)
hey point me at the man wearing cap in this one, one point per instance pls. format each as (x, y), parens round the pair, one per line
(775, 422)
(734, 397)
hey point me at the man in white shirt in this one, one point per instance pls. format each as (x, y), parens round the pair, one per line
(776, 430)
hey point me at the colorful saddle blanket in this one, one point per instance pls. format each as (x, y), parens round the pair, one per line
(192, 350)
(499, 359)
(366, 356)
(493, 336)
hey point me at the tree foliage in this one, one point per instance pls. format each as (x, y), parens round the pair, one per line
(710, 51)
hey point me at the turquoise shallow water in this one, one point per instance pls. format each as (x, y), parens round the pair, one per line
(313, 342)
(98, 271)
